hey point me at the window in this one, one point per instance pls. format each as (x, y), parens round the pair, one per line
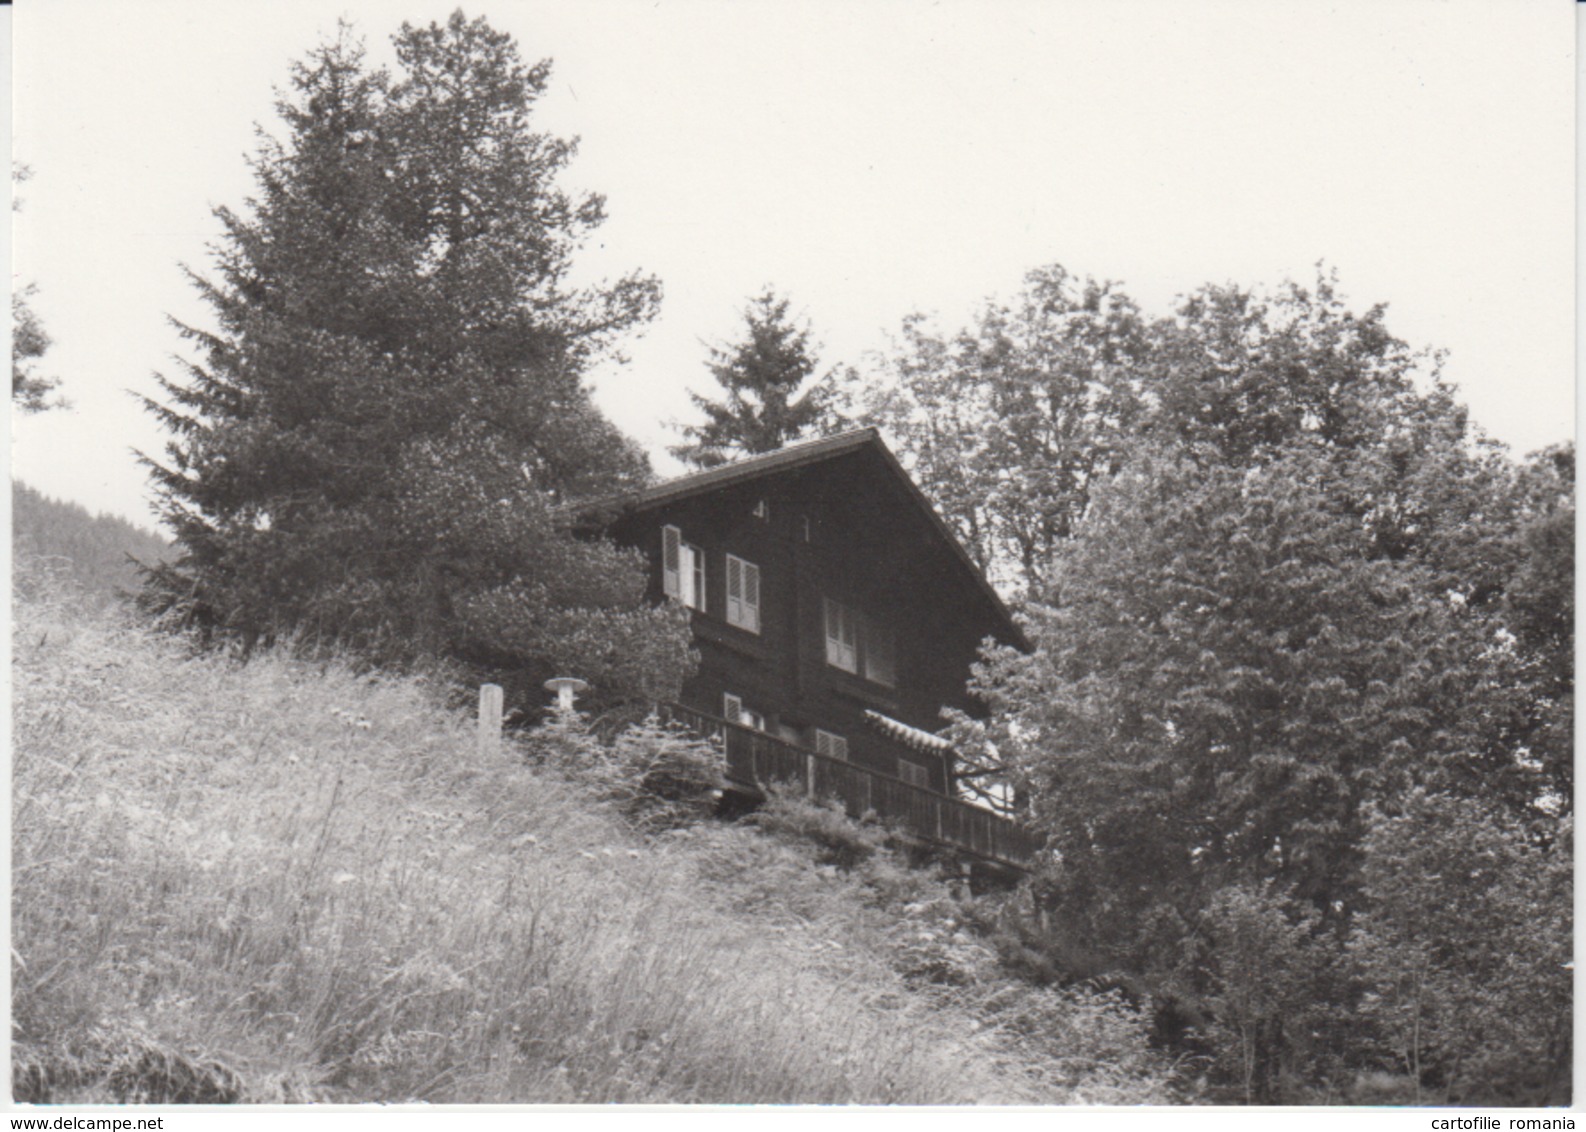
(859, 644)
(682, 569)
(691, 560)
(831, 745)
(743, 594)
(875, 641)
(914, 774)
(733, 711)
(842, 647)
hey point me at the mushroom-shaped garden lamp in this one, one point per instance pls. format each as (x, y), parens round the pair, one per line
(565, 687)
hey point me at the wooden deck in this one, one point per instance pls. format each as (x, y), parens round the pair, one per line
(755, 760)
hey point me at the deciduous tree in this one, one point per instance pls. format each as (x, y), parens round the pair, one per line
(1008, 424)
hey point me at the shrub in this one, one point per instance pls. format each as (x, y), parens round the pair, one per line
(840, 840)
(657, 774)
(1466, 952)
(1270, 983)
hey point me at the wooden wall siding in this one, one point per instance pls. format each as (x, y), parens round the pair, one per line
(756, 760)
(869, 548)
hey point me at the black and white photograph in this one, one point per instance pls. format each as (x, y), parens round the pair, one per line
(878, 554)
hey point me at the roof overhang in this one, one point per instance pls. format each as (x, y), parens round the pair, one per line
(784, 460)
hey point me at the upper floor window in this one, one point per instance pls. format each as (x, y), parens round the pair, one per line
(859, 644)
(842, 637)
(743, 594)
(682, 569)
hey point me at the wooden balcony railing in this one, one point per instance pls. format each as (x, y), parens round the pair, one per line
(755, 760)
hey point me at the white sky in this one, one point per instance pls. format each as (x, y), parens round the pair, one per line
(867, 157)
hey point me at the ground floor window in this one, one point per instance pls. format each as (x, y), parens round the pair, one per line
(913, 773)
(733, 711)
(831, 745)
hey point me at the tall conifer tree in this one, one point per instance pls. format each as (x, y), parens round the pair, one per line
(772, 395)
(371, 441)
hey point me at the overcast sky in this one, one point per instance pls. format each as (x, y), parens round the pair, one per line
(868, 158)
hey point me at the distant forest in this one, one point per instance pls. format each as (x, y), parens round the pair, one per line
(95, 553)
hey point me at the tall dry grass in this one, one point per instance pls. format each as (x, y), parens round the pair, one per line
(290, 881)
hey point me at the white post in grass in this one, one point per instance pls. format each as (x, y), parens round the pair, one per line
(489, 718)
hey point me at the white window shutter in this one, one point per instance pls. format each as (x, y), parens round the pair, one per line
(751, 597)
(832, 746)
(734, 591)
(731, 707)
(671, 561)
(743, 594)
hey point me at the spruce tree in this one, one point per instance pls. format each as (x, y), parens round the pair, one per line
(371, 442)
(772, 397)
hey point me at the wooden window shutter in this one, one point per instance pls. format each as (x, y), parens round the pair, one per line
(880, 656)
(830, 745)
(914, 774)
(672, 561)
(743, 594)
(751, 596)
(731, 707)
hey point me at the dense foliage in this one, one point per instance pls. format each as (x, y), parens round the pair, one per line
(1464, 951)
(372, 443)
(1286, 604)
(772, 395)
(1007, 424)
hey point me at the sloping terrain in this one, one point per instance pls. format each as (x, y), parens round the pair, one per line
(289, 881)
(95, 551)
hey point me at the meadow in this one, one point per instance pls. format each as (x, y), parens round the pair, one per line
(288, 880)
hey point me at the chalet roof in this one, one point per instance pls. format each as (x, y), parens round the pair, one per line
(797, 456)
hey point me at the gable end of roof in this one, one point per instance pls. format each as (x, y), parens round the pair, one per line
(797, 456)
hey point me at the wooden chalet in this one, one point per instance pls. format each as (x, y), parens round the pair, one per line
(835, 616)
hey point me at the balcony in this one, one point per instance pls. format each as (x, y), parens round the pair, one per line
(755, 760)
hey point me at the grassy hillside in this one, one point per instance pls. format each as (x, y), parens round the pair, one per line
(90, 550)
(282, 881)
